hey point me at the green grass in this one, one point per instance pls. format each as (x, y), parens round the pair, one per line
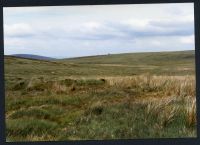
(121, 96)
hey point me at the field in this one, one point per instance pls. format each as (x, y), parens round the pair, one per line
(114, 96)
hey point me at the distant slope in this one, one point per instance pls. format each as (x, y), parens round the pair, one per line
(30, 56)
(147, 58)
(156, 63)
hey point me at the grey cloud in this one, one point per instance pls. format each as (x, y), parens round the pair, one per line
(159, 28)
(111, 30)
(115, 31)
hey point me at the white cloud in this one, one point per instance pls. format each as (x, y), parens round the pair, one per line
(187, 39)
(137, 23)
(92, 25)
(156, 43)
(18, 29)
(17, 42)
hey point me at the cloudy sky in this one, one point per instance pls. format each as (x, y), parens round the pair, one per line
(71, 31)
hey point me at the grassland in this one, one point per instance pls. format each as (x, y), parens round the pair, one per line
(117, 96)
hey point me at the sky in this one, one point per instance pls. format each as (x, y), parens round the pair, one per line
(74, 31)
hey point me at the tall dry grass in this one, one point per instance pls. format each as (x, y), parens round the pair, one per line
(190, 111)
(170, 85)
(177, 95)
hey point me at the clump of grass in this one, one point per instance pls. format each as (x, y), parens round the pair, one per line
(19, 85)
(67, 82)
(24, 127)
(36, 84)
(103, 80)
(58, 88)
(72, 88)
(96, 108)
(168, 116)
(190, 111)
(30, 113)
(43, 137)
(71, 117)
(89, 82)
(162, 111)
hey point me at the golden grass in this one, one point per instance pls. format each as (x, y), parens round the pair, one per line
(171, 85)
(58, 88)
(190, 110)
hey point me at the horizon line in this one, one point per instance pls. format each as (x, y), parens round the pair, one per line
(57, 57)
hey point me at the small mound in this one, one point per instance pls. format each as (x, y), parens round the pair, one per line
(90, 82)
(19, 85)
(37, 84)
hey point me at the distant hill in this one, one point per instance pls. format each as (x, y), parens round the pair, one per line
(126, 64)
(147, 58)
(30, 56)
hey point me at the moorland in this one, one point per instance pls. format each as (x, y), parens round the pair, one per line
(114, 96)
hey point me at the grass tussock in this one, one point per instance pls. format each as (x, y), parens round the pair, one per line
(190, 110)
